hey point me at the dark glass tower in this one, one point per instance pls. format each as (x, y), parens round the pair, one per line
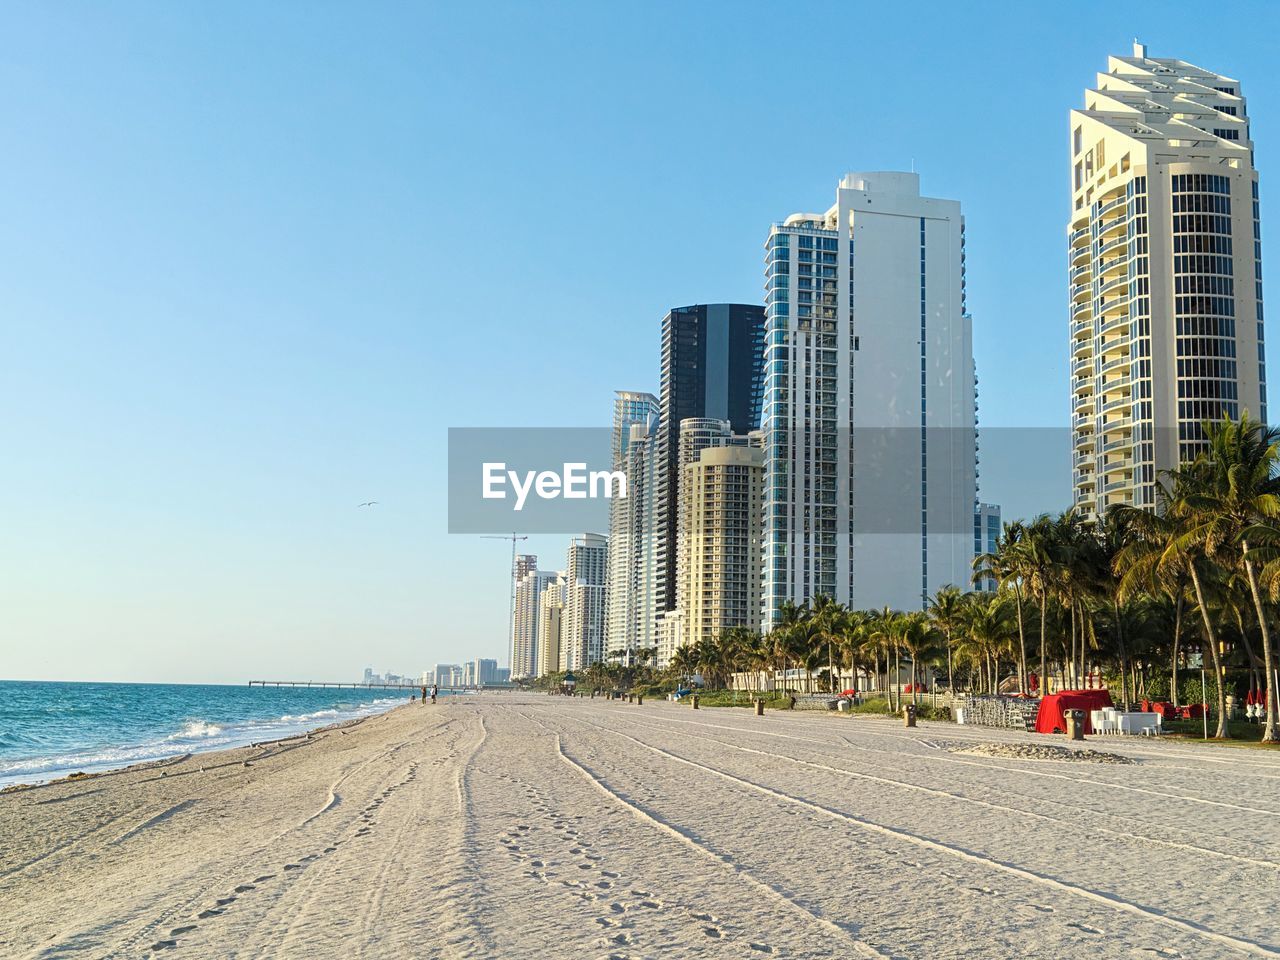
(712, 366)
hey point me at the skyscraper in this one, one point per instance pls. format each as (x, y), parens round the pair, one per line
(582, 633)
(720, 528)
(1165, 273)
(711, 367)
(551, 625)
(521, 635)
(633, 527)
(524, 647)
(869, 412)
(986, 537)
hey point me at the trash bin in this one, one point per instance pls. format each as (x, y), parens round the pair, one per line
(639, 700)
(1075, 724)
(695, 701)
(909, 715)
(759, 707)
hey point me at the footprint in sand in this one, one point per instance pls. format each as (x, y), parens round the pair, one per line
(605, 884)
(537, 863)
(264, 878)
(225, 900)
(206, 914)
(245, 888)
(293, 866)
(164, 944)
(609, 873)
(650, 904)
(1084, 927)
(761, 947)
(621, 939)
(704, 917)
(713, 932)
(178, 931)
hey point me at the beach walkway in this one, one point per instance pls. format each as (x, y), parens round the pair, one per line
(511, 825)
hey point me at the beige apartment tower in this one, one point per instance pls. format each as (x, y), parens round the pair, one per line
(1165, 273)
(550, 625)
(721, 527)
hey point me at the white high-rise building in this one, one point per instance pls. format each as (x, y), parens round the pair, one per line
(632, 601)
(523, 564)
(524, 646)
(869, 411)
(1165, 273)
(582, 637)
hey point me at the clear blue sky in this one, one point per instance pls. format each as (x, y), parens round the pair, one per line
(257, 258)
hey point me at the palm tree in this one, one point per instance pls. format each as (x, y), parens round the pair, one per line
(1034, 557)
(1005, 567)
(946, 610)
(915, 636)
(1183, 549)
(1235, 493)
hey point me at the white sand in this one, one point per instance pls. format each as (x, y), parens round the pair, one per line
(531, 826)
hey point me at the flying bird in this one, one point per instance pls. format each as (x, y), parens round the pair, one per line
(369, 503)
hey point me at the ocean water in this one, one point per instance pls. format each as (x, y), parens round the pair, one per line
(48, 730)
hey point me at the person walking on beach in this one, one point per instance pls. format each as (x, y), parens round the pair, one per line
(424, 693)
(434, 691)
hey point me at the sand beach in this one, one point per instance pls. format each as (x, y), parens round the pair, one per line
(508, 825)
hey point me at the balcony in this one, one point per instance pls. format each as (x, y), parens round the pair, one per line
(1116, 464)
(1079, 310)
(1117, 485)
(1082, 348)
(1113, 245)
(1082, 366)
(1081, 271)
(1116, 384)
(1116, 306)
(1117, 424)
(1119, 443)
(1113, 229)
(1075, 236)
(1082, 404)
(1119, 363)
(1125, 402)
(1084, 441)
(1116, 345)
(1108, 207)
(1080, 290)
(1113, 285)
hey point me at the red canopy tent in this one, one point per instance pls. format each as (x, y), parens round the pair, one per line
(1050, 717)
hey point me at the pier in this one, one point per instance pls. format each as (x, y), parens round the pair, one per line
(361, 685)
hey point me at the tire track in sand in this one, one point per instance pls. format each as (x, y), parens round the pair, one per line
(1119, 904)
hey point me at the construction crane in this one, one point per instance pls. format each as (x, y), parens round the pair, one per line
(514, 538)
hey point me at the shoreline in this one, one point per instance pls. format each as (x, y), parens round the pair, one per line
(92, 770)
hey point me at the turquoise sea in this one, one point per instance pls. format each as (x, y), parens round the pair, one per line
(48, 730)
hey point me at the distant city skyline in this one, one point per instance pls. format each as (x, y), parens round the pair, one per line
(252, 252)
